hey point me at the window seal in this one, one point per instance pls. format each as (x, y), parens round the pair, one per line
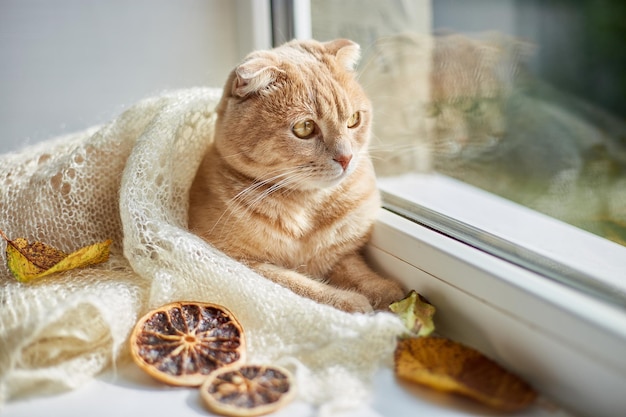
(503, 249)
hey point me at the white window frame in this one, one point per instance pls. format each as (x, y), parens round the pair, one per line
(254, 25)
(569, 345)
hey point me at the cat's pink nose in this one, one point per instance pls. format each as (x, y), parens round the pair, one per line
(343, 160)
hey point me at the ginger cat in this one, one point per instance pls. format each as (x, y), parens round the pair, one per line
(287, 187)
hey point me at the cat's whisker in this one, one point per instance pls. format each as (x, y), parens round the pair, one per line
(233, 203)
(278, 179)
(242, 200)
(291, 182)
(260, 182)
(281, 185)
(233, 155)
(244, 204)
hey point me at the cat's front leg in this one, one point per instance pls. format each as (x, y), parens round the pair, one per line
(352, 272)
(343, 299)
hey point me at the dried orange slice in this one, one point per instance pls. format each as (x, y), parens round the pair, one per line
(181, 343)
(248, 390)
(449, 366)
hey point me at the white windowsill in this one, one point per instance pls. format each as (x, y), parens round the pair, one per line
(567, 344)
(131, 392)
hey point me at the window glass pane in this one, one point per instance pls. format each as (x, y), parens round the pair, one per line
(521, 98)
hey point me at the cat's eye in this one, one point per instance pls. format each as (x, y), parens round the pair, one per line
(354, 120)
(304, 129)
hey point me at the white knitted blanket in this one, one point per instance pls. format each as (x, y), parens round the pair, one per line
(129, 181)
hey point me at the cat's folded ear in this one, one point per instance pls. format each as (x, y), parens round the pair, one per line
(347, 52)
(256, 73)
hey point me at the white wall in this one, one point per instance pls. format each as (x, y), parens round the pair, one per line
(69, 64)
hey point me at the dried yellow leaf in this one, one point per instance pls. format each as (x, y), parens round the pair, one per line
(449, 366)
(29, 261)
(416, 313)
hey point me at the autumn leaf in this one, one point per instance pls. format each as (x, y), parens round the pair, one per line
(445, 365)
(29, 261)
(416, 313)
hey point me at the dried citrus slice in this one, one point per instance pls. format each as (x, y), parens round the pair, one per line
(181, 343)
(449, 366)
(249, 390)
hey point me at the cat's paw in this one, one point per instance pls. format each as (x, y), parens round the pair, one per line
(384, 293)
(351, 302)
